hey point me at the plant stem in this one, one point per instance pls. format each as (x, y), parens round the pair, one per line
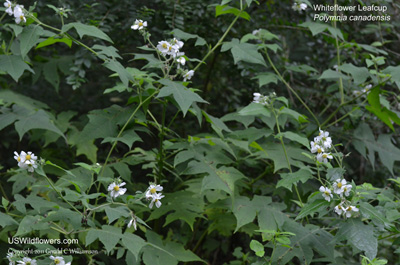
(290, 88)
(285, 152)
(341, 90)
(219, 42)
(59, 194)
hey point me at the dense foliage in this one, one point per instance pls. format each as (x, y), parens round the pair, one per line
(198, 132)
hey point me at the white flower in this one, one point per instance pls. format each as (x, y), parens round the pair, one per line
(339, 185)
(188, 75)
(178, 43)
(10, 256)
(173, 50)
(27, 261)
(8, 5)
(260, 99)
(326, 193)
(29, 157)
(256, 31)
(181, 60)
(116, 189)
(350, 210)
(30, 165)
(152, 190)
(139, 24)
(339, 209)
(315, 148)
(156, 199)
(163, 47)
(299, 6)
(19, 14)
(58, 260)
(323, 157)
(346, 190)
(20, 157)
(132, 222)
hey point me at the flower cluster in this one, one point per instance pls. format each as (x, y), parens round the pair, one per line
(342, 190)
(263, 100)
(322, 145)
(151, 194)
(26, 160)
(366, 90)
(299, 6)
(18, 11)
(115, 188)
(18, 260)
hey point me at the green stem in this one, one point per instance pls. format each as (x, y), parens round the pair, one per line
(219, 42)
(284, 150)
(2, 17)
(59, 194)
(289, 87)
(161, 149)
(338, 59)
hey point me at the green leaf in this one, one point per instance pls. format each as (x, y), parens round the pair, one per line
(53, 40)
(108, 235)
(6, 220)
(83, 30)
(109, 51)
(128, 137)
(225, 9)
(368, 211)
(244, 211)
(118, 68)
(394, 71)
(244, 52)
(186, 36)
(114, 213)
(288, 179)
(294, 114)
(317, 28)
(255, 109)
(265, 79)
(359, 74)
(14, 66)
(295, 137)
(359, 235)
(330, 74)
(37, 120)
(183, 96)
(89, 149)
(133, 243)
(257, 247)
(310, 209)
(182, 205)
(29, 37)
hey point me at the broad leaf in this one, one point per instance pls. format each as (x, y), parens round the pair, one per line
(14, 66)
(244, 52)
(83, 30)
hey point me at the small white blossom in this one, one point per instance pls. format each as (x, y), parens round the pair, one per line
(260, 99)
(256, 31)
(350, 210)
(299, 6)
(156, 199)
(339, 185)
(132, 222)
(181, 60)
(58, 260)
(177, 43)
(315, 148)
(116, 190)
(339, 209)
(19, 14)
(139, 24)
(188, 75)
(152, 191)
(346, 190)
(30, 165)
(326, 193)
(27, 261)
(29, 157)
(323, 157)
(8, 5)
(163, 47)
(10, 257)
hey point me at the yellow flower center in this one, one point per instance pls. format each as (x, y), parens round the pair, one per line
(339, 185)
(140, 24)
(21, 17)
(28, 263)
(324, 155)
(153, 190)
(116, 188)
(323, 139)
(319, 150)
(170, 48)
(340, 207)
(164, 45)
(327, 193)
(28, 157)
(57, 261)
(19, 159)
(349, 209)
